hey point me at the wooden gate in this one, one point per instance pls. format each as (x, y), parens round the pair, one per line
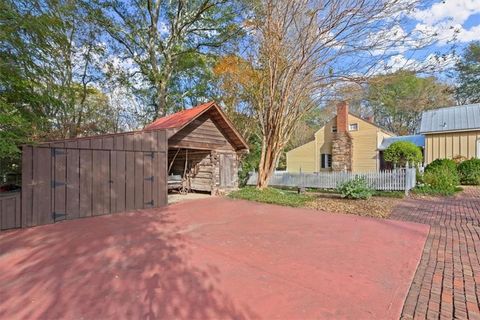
(93, 176)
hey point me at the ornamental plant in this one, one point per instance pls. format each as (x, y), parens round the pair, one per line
(439, 166)
(403, 152)
(356, 188)
(469, 171)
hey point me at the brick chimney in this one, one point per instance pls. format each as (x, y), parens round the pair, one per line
(342, 117)
(342, 145)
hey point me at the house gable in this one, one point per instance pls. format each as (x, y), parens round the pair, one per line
(201, 133)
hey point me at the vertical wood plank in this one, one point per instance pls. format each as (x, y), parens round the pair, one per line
(119, 181)
(84, 143)
(148, 181)
(130, 181)
(118, 142)
(43, 192)
(96, 143)
(97, 172)
(105, 182)
(73, 184)
(137, 141)
(60, 180)
(162, 179)
(107, 143)
(139, 178)
(27, 185)
(86, 183)
(128, 142)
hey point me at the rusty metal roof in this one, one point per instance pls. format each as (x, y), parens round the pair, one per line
(179, 119)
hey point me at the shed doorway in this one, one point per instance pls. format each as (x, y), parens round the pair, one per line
(190, 170)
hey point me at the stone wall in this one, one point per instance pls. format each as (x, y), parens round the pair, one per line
(342, 151)
(342, 145)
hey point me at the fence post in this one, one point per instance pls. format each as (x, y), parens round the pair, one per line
(410, 179)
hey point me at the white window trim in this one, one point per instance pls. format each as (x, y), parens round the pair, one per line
(353, 124)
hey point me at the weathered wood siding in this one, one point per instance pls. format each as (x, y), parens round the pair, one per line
(225, 171)
(450, 145)
(93, 176)
(202, 134)
(10, 212)
(199, 167)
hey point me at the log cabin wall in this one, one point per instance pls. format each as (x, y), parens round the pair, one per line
(199, 167)
(201, 133)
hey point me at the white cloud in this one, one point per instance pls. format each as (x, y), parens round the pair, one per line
(429, 64)
(444, 20)
(455, 11)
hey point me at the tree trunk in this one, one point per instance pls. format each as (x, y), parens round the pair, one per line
(162, 108)
(268, 160)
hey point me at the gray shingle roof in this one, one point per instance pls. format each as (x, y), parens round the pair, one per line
(466, 117)
(418, 140)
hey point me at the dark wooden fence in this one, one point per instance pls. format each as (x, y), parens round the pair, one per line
(92, 176)
(10, 210)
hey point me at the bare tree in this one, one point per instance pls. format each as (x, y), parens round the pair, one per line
(306, 48)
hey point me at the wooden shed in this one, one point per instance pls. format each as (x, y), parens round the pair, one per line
(204, 148)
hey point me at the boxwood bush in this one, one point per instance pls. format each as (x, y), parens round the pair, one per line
(444, 167)
(356, 188)
(440, 180)
(469, 171)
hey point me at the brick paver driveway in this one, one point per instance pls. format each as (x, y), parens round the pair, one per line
(447, 281)
(211, 259)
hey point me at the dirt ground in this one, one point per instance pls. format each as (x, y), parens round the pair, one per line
(177, 197)
(379, 207)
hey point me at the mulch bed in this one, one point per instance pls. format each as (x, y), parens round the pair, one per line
(378, 207)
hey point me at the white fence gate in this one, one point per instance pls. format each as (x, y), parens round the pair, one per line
(388, 180)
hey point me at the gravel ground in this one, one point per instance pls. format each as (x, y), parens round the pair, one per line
(379, 207)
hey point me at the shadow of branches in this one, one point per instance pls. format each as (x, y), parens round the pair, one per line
(131, 265)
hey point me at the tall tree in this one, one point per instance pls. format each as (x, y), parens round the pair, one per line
(397, 100)
(301, 50)
(50, 65)
(165, 41)
(468, 69)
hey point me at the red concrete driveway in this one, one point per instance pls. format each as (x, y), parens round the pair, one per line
(210, 259)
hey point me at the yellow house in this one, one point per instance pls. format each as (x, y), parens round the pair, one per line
(451, 132)
(346, 143)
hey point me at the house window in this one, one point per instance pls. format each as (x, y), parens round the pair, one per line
(353, 127)
(326, 161)
(334, 128)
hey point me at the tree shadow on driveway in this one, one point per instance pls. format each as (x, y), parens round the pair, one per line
(133, 265)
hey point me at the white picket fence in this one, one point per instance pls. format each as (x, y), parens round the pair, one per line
(388, 180)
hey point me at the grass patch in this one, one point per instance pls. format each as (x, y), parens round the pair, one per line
(427, 190)
(390, 194)
(272, 195)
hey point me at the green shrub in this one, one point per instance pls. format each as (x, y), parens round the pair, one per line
(272, 195)
(439, 180)
(439, 166)
(356, 188)
(469, 171)
(401, 152)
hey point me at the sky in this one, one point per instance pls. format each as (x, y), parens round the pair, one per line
(454, 23)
